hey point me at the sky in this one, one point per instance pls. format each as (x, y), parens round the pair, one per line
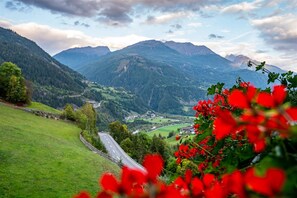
(264, 30)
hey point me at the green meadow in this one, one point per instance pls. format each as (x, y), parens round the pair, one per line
(41, 157)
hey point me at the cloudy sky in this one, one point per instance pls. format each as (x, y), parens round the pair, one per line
(265, 30)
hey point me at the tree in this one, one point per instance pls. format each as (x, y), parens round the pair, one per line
(118, 131)
(12, 84)
(90, 112)
(69, 112)
(127, 146)
(81, 120)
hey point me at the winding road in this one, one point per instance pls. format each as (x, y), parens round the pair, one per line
(115, 151)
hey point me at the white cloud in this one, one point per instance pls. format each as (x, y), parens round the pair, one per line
(5, 24)
(54, 40)
(165, 18)
(279, 31)
(242, 7)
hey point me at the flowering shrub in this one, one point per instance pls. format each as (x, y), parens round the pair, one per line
(135, 183)
(245, 145)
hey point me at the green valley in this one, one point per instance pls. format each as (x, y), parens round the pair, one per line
(41, 157)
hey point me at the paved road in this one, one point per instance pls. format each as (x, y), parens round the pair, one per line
(116, 152)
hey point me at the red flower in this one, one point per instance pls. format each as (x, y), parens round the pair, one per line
(196, 187)
(154, 166)
(177, 137)
(275, 99)
(241, 99)
(238, 99)
(269, 184)
(224, 125)
(103, 194)
(234, 184)
(131, 182)
(109, 183)
(208, 180)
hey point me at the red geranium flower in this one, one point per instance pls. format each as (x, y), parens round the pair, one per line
(270, 184)
(274, 99)
(154, 166)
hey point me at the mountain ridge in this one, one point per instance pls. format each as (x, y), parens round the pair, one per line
(75, 57)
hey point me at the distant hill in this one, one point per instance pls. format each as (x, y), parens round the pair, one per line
(76, 57)
(241, 61)
(169, 77)
(49, 77)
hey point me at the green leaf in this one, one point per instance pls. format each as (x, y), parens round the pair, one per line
(272, 77)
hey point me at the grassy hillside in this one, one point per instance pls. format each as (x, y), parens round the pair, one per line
(42, 107)
(44, 158)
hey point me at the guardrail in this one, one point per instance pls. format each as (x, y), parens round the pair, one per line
(92, 148)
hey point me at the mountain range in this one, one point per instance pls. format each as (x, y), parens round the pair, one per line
(169, 77)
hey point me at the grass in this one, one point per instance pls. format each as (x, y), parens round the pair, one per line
(41, 157)
(160, 120)
(43, 107)
(164, 131)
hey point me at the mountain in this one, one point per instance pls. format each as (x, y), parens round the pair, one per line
(49, 77)
(169, 77)
(76, 57)
(241, 61)
(188, 48)
(160, 86)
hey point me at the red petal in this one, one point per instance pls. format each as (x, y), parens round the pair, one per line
(224, 125)
(265, 100)
(276, 177)
(131, 179)
(238, 99)
(104, 195)
(292, 112)
(251, 93)
(109, 182)
(215, 192)
(279, 94)
(82, 194)
(256, 183)
(259, 146)
(197, 186)
(188, 176)
(154, 166)
(208, 180)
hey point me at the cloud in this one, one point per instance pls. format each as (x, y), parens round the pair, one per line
(215, 36)
(169, 32)
(242, 7)
(261, 51)
(16, 6)
(114, 12)
(176, 26)
(278, 31)
(166, 18)
(77, 23)
(54, 40)
(5, 24)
